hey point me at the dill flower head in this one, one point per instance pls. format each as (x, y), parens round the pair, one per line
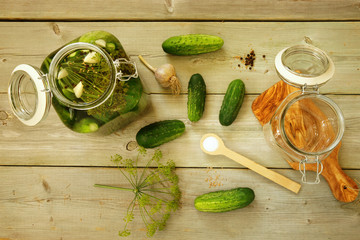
(155, 188)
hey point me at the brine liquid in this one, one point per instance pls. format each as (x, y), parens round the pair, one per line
(87, 68)
(123, 106)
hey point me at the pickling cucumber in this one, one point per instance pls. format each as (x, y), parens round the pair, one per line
(67, 115)
(192, 44)
(224, 200)
(232, 102)
(86, 125)
(110, 41)
(158, 133)
(196, 97)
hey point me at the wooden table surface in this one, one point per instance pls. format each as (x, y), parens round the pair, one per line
(47, 172)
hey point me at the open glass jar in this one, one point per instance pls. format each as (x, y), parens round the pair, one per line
(90, 82)
(306, 126)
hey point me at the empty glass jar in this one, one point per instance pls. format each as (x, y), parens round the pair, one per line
(306, 126)
(90, 82)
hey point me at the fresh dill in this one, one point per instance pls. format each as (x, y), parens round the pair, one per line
(155, 187)
(94, 75)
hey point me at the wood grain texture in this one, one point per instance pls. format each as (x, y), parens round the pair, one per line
(31, 42)
(264, 107)
(47, 172)
(51, 143)
(343, 187)
(69, 207)
(183, 10)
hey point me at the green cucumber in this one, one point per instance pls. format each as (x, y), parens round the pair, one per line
(67, 115)
(232, 102)
(91, 37)
(86, 125)
(192, 44)
(158, 133)
(225, 200)
(196, 97)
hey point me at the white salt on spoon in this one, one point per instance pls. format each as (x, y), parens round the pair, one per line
(213, 145)
(210, 144)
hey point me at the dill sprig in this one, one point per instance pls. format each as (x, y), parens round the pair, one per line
(94, 76)
(156, 190)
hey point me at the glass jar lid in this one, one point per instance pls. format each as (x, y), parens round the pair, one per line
(29, 94)
(81, 76)
(304, 65)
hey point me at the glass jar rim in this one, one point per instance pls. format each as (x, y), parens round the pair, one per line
(317, 53)
(296, 79)
(340, 120)
(29, 112)
(65, 51)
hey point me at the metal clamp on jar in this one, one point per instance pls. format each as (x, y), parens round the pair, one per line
(306, 126)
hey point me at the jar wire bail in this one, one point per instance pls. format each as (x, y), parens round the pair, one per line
(44, 77)
(305, 88)
(119, 74)
(319, 169)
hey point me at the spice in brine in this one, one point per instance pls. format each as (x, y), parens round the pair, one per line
(83, 76)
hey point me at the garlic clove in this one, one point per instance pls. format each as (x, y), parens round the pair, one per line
(62, 73)
(92, 57)
(101, 43)
(78, 89)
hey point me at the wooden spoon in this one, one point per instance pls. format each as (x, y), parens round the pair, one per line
(213, 145)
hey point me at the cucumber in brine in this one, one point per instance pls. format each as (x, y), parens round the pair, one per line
(86, 125)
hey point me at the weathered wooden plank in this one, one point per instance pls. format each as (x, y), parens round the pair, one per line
(28, 42)
(51, 143)
(61, 203)
(182, 9)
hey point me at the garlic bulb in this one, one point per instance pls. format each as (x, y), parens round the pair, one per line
(165, 75)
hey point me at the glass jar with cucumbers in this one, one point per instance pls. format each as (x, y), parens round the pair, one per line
(90, 82)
